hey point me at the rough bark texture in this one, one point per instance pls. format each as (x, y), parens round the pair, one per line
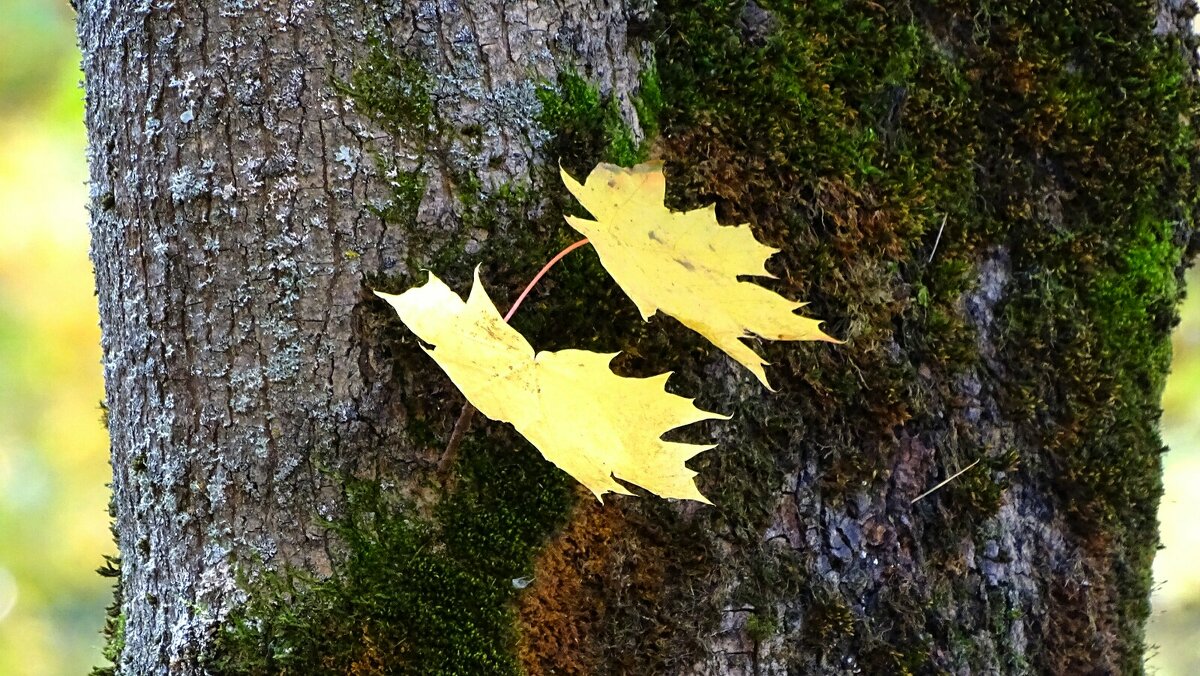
(232, 186)
(991, 202)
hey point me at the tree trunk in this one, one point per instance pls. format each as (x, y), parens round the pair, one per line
(992, 203)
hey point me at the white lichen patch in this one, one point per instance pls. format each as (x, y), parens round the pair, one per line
(348, 157)
(186, 184)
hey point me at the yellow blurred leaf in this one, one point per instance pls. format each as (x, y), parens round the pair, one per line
(685, 263)
(590, 422)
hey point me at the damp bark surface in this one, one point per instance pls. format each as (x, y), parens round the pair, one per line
(991, 203)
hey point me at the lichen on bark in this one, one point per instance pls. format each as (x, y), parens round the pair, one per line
(245, 199)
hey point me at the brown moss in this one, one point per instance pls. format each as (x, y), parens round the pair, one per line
(606, 596)
(369, 662)
(1080, 626)
(557, 613)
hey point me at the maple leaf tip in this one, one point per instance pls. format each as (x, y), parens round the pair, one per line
(825, 336)
(761, 374)
(476, 283)
(429, 277)
(567, 178)
(694, 495)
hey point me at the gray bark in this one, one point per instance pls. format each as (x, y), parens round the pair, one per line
(228, 183)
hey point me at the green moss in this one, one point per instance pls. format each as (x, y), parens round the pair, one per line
(588, 127)
(845, 137)
(402, 589)
(648, 102)
(827, 621)
(114, 620)
(1103, 440)
(112, 650)
(1088, 322)
(760, 627)
(406, 188)
(390, 88)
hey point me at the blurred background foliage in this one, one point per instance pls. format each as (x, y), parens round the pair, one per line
(1175, 626)
(53, 448)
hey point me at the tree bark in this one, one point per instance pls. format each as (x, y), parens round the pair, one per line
(992, 204)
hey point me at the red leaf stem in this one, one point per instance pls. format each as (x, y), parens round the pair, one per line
(541, 273)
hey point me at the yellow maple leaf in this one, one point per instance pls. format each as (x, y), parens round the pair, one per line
(590, 422)
(685, 263)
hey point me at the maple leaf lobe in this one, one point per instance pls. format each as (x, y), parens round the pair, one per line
(635, 234)
(590, 422)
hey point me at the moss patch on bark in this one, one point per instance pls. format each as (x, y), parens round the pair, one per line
(892, 152)
(408, 594)
(114, 619)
